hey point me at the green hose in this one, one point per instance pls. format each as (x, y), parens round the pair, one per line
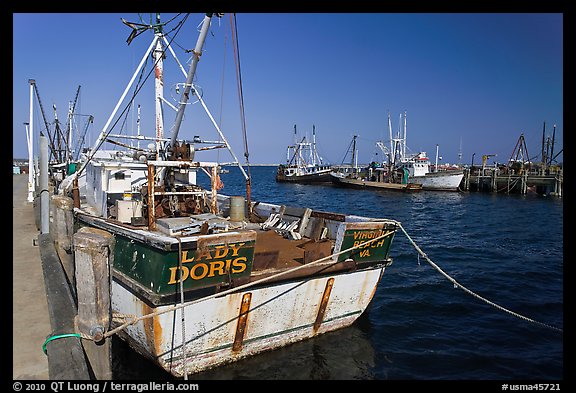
(57, 336)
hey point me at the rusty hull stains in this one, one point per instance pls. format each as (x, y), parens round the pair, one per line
(152, 330)
(323, 304)
(242, 320)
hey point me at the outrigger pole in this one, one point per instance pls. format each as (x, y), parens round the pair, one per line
(197, 52)
(102, 136)
(190, 86)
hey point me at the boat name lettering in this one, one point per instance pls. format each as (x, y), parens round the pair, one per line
(200, 270)
(377, 244)
(218, 252)
(361, 235)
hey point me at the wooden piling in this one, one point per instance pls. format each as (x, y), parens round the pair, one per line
(93, 253)
(66, 359)
(62, 229)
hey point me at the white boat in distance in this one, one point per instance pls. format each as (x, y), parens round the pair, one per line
(418, 165)
(303, 164)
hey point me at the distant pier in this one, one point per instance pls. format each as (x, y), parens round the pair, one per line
(505, 180)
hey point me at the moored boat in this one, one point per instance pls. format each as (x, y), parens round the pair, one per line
(418, 165)
(198, 278)
(361, 182)
(374, 176)
(303, 163)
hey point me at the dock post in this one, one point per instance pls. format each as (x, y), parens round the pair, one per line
(44, 192)
(62, 229)
(525, 183)
(494, 182)
(94, 255)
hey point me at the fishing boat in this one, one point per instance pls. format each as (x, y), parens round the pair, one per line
(303, 163)
(418, 165)
(374, 176)
(380, 182)
(199, 278)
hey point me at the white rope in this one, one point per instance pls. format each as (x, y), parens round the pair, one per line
(184, 353)
(132, 319)
(457, 284)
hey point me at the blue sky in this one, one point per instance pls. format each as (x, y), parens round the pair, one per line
(468, 82)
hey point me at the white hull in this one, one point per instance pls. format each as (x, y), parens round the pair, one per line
(277, 315)
(439, 181)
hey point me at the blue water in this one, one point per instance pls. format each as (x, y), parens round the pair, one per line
(506, 248)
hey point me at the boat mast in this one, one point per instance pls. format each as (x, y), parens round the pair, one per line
(313, 152)
(354, 158)
(404, 143)
(69, 134)
(138, 128)
(552, 146)
(197, 52)
(436, 164)
(295, 142)
(158, 56)
(391, 159)
(31, 144)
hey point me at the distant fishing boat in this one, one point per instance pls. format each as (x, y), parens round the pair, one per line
(200, 279)
(359, 182)
(303, 164)
(372, 177)
(418, 165)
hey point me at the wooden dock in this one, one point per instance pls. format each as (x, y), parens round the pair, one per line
(30, 319)
(43, 305)
(506, 182)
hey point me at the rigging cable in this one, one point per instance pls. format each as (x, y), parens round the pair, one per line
(222, 90)
(234, 29)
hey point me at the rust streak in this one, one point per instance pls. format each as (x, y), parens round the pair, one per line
(323, 304)
(242, 319)
(149, 328)
(157, 333)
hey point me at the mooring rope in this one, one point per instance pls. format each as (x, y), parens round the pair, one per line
(134, 318)
(184, 352)
(457, 284)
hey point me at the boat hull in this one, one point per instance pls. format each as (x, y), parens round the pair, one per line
(319, 177)
(359, 183)
(245, 291)
(225, 329)
(440, 181)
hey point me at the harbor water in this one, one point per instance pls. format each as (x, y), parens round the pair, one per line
(506, 248)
